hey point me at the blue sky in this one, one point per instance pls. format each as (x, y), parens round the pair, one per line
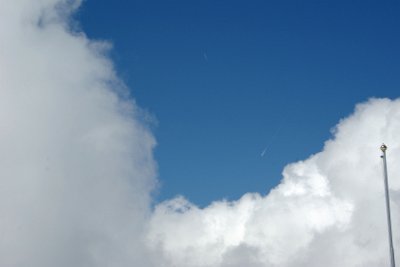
(226, 79)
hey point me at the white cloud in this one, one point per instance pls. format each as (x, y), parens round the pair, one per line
(76, 172)
(76, 163)
(328, 210)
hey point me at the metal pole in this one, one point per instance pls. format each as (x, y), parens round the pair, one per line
(389, 221)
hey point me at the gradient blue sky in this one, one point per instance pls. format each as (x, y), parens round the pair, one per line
(225, 79)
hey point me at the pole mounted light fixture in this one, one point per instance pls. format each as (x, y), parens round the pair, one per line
(389, 220)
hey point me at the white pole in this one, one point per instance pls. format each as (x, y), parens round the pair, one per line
(389, 221)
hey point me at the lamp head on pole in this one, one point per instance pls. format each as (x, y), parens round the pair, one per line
(383, 148)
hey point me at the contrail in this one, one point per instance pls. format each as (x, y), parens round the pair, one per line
(275, 134)
(205, 56)
(263, 152)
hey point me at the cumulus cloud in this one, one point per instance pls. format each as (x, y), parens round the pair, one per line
(327, 211)
(76, 172)
(76, 164)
